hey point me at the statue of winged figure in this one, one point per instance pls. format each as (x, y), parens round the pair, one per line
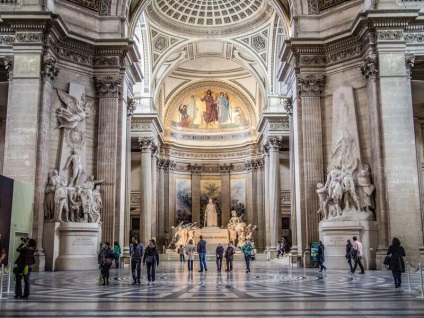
(74, 110)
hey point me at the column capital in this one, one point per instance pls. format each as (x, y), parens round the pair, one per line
(225, 169)
(172, 165)
(310, 85)
(145, 143)
(369, 67)
(155, 149)
(288, 106)
(248, 165)
(8, 65)
(274, 142)
(260, 164)
(265, 149)
(130, 107)
(196, 169)
(409, 63)
(163, 164)
(108, 86)
(49, 67)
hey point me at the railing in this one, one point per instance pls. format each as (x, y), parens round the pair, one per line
(416, 269)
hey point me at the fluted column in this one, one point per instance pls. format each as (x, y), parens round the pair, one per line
(249, 197)
(260, 234)
(288, 106)
(171, 212)
(225, 190)
(48, 73)
(108, 91)
(161, 202)
(127, 219)
(196, 171)
(2, 135)
(310, 92)
(146, 189)
(267, 226)
(254, 215)
(166, 195)
(154, 193)
(274, 190)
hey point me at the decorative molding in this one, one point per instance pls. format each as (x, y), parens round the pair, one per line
(91, 4)
(313, 7)
(145, 143)
(409, 63)
(212, 155)
(108, 86)
(74, 138)
(412, 38)
(106, 61)
(172, 165)
(325, 4)
(7, 39)
(105, 7)
(196, 169)
(29, 37)
(369, 67)
(225, 168)
(390, 35)
(310, 85)
(274, 142)
(49, 67)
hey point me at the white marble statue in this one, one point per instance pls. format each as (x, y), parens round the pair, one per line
(211, 217)
(87, 198)
(323, 200)
(75, 203)
(52, 185)
(76, 171)
(61, 202)
(232, 233)
(366, 189)
(335, 188)
(349, 190)
(96, 206)
(74, 110)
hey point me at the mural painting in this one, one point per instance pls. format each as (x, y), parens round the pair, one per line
(210, 109)
(183, 200)
(238, 195)
(210, 189)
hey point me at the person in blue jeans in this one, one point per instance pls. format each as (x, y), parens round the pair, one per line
(201, 250)
(246, 249)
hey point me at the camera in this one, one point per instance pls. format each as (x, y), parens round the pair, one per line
(24, 239)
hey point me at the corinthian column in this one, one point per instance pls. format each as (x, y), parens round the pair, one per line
(274, 190)
(310, 92)
(267, 228)
(225, 186)
(161, 165)
(196, 171)
(146, 189)
(154, 192)
(108, 91)
(260, 237)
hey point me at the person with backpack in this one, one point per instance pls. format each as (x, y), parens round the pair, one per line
(105, 260)
(136, 252)
(151, 258)
(229, 257)
(350, 254)
(23, 267)
(117, 252)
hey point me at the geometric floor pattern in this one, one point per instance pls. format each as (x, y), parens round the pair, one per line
(272, 289)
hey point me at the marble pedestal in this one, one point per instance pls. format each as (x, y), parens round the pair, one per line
(334, 235)
(213, 235)
(71, 246)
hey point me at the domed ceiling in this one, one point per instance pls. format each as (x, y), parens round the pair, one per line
(208, 16)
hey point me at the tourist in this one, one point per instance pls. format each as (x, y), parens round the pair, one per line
(229, 257)
(321, 257)
(181, 252)
(117, 252)
(23, 267)
(151, 258)
(283, 246)
(136, 252)
(397, 263)
(105, 260)
(201, 250)
(350, 253)
(278, 249)
(359, 253)
(246, 249)
(219, 254)
(190, 250)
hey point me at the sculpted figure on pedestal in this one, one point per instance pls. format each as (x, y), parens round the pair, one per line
(211, 216)
(75, 203)
(96, 207)
(323, 200)
(87, 197)
(75, 160)
(349, 190)
(335, 188)
(52, 184)
(366, 189)
(61, 202)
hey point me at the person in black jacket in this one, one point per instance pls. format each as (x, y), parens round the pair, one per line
(397, 264)
(151, 257)
(201, 250)
(350, 252)
(219, 255)
(23, 268)
(105, 260)
(321, 257)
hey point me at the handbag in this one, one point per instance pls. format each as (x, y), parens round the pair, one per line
(107, 262)
(387, 260)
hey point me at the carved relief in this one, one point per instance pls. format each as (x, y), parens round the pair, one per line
(288, 106)
(29, 37)
(412, 38)
(130, 107)
(74, 138)
(409, 63)
(8, 65)
(105, 7)
(390, 35)
(108, 86)
(313, 7)
(160, 43)
(49, 67)
(7, 39)
(225, 168)
(369, 67)
(258, 42)
(196, 169)
(310, 85)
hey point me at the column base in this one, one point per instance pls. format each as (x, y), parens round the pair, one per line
(40, 261)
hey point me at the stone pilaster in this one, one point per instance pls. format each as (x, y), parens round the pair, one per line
(171, 194)
(260, 234)
(162, 166)
(154, 218)
(310, 91)
(127, 221)
(146, 189)
(108, 89)
(225, 170)
(2, 137)
(196, 171)
(48, 73)
(166, 196)
(254, 173)
(267, 227)
(274, 190)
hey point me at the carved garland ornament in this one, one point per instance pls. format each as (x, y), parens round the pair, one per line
(389, 35)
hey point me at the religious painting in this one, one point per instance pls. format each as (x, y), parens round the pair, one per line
(183, 200)
(238, 195)
(210, 108)
(210, 189)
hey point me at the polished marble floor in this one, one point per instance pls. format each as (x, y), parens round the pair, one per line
(272, 289)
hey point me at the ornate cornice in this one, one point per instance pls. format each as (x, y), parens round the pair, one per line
(108, 86)
(369, 68)
(196, 169)
(186, 154)
(29, 37)
(310, 85)
(7, 39)
(414, 38)
(49, 67)
(145, 143)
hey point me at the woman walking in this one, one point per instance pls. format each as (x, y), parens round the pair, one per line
(151, 257)
(350, 252)
(190, 250)
(117, 252)
(105, 258)
(397, 264)
(321, 257)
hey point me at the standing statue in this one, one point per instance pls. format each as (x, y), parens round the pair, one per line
(232, 232)
(366, 189)
(52, 184)
(349, 190)
(74, 110)
(211, 217)
(166, 238)
(74, 203)
(61, 202)
(97, 205)
(323, 200)
(75, 159)
(335, 188)
(87, 197)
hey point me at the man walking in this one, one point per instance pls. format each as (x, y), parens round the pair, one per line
(201, 250)
(246, 249)
(136, 252)
(219, 255)
(359, 253)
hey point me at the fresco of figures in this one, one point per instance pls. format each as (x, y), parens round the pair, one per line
(183, 200)
(210, 109)
(238, 195)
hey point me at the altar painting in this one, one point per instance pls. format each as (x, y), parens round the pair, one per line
(238, 195)
(183, 200)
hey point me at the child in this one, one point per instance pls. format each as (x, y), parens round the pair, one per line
(181, 251)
